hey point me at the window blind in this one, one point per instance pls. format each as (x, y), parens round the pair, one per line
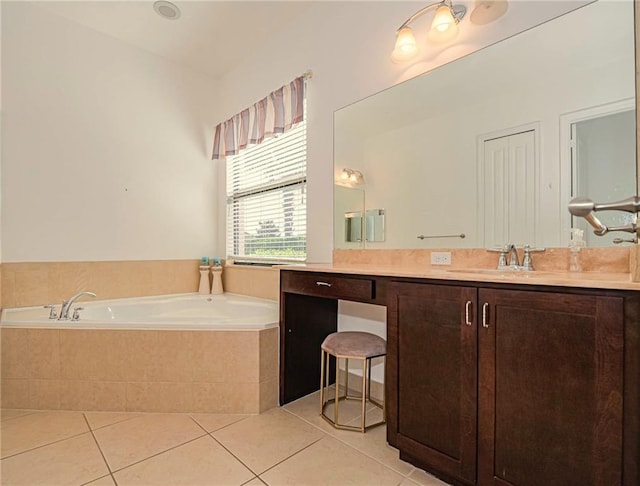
(266, 199)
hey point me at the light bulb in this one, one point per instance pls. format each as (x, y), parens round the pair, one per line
(444, 26)
(345, 175)
(353, 177)
(406, 47)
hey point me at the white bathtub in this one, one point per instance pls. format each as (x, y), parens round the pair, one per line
(179, 353)
(184, 312)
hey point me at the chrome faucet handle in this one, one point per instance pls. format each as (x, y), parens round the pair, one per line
(76, 313)
(502, 259)
(527, 261)
(52, 311)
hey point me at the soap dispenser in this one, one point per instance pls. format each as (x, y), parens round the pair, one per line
(575, 245)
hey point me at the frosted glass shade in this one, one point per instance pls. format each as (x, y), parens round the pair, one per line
(406, 47)
(444, 26)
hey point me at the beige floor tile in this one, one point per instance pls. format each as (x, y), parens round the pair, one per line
(255, 482)
(372, 443)
(125, 443)
(38, 429)
(10, 413)
(200, 462)
(72, 461)
(308, 408)
(425, 479)
(261, 441)
(330, 462)
(101, 419)
(105, 481)
(408, 482)
(216, 421)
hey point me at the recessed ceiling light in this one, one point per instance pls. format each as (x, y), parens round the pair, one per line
(166, 10)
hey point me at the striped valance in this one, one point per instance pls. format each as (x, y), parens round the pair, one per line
(275, 113)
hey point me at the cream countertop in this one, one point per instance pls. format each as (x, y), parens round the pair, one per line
(594, 280)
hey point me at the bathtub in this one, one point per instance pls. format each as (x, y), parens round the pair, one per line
(178, 353)
(185, 311)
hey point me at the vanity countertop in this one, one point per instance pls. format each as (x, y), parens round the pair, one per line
(594, 280)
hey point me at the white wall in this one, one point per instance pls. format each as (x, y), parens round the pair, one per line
(348, 47)
(105, 147)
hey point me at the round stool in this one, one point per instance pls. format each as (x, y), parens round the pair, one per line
(350, 345)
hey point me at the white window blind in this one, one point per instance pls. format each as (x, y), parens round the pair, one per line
(266, 199)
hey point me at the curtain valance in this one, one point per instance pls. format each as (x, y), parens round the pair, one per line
(275, 113)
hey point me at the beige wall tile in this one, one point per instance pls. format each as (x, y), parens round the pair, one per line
(241, 356)
(44, 354)
(109, 396)
(8, 286)
(15, 393)
(234, 398)
(76, 395)
(14, 348)
(262, 282)
(159, 397)
(269, 357)
(109, 349)
(269, 394)
(172, 357)
(77, 361)
(44, 394)
(209, 349)
(29, 284)
(139, 361)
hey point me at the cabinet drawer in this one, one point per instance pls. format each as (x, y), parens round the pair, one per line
(327, 285)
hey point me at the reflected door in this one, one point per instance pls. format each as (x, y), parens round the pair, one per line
(508, 190)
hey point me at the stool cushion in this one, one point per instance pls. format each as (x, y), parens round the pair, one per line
(355, 344)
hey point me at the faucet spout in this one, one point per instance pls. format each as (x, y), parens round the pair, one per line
(66, 305)
(513, 256)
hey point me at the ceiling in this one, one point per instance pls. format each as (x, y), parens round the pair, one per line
(211, 37)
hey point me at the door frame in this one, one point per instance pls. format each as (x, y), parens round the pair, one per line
(534, 127)
(567, 176)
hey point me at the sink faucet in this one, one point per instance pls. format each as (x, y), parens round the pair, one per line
(513, 256)
(66, 305)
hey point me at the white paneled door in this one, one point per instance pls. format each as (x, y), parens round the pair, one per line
(508, 189)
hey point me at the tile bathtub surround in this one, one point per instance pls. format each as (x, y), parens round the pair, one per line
(40, 283)
(285, 446)
(256, 281)
(614, 260)
(139, 370)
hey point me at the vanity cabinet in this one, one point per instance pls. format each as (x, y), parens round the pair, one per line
(308, 314)
(432, 359)
(493, 386)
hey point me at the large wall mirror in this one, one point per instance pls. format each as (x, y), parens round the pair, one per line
(495, 144)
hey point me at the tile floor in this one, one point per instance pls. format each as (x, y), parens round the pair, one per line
(291, 445)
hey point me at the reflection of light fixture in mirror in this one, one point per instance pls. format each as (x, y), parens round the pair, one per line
(352, 176)
(443, 28)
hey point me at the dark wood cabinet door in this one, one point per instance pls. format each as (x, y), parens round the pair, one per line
(433, 360)
(550, 389)
(305, 322)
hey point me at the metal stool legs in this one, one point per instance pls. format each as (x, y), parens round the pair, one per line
(364, 398)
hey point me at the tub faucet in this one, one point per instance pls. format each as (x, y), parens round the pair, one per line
(66, 305)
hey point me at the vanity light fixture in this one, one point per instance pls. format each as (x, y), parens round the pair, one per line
(351, 175)
(444, 27)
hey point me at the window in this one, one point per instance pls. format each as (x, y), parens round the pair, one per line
(266, 200)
